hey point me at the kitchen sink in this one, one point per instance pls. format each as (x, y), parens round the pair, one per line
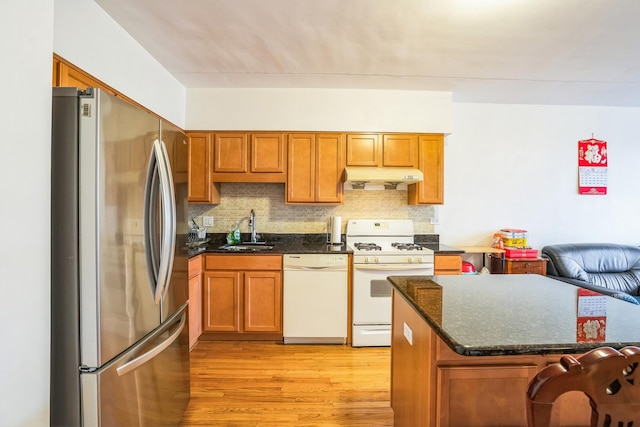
(248, 247)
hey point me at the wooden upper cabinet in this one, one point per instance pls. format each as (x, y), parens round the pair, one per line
(201, 187)
(55, 71)
(249, 157)
(66, 75)
(267, 153)
(400, 150)
(382, 150)
(431, 163)
(315, 167)
(364, 150)
(230, 153)
(177, 146)
(330, 163)
(301, 167)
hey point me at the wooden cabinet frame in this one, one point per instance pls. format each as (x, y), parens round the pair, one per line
(382, 150)
(447, 264)
(315, 166)
(195, 300)
(242, 297)
(431, 163)
(202, 189)
(249, 157)
(431, 385)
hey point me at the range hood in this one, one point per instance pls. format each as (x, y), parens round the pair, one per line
(358, 176)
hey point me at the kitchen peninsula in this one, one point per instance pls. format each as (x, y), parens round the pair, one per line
(465, 347)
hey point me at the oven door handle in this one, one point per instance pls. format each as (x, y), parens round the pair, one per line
(393, 267)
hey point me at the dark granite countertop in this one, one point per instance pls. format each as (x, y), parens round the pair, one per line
(315, 243)
(444, 249)
(282, 244)
(432, 241)
(511, 314)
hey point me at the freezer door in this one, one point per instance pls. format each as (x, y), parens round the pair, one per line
(117, 306)
(147, 386)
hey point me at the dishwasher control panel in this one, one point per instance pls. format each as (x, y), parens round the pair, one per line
(320, 261)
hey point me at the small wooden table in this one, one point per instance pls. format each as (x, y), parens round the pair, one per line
(484, 250)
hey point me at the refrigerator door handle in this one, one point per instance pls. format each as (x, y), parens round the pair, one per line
(144, 358)
(169, 219)
(160, 244)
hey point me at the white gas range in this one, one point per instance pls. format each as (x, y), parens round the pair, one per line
(381, 248)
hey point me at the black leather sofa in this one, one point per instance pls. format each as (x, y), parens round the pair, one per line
(609, 268)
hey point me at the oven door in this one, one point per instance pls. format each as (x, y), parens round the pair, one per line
(372, 290)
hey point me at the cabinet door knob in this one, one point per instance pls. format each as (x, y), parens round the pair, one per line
(527, 264)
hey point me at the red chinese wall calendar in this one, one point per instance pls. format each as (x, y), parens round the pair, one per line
(592, 167)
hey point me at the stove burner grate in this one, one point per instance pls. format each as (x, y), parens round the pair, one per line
(407, 246)
(367, 247)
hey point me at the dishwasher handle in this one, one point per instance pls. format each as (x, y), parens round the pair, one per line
(311, 268)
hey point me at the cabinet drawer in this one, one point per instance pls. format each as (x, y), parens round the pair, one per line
(447, 264)
(243, 262)
(500, 265)
(526, 267)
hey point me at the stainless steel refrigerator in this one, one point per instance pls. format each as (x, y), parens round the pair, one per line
(119, 333)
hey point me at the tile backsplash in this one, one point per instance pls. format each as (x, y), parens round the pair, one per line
(274, 216)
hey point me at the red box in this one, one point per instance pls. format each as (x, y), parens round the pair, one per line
(520, 253)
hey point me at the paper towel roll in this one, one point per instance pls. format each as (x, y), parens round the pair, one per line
(336, 230)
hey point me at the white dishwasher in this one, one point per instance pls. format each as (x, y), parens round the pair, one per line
(315, 298)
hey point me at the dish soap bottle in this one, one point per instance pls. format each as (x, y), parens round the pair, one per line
(233, 236)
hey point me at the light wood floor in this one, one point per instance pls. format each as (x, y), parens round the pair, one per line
(269, 384)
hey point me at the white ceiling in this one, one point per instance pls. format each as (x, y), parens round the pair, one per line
(583, 52)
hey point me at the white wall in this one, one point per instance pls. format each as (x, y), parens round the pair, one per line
(27, 45)
(319, 110)
(86, 36)
(25, 126)
(516, 166)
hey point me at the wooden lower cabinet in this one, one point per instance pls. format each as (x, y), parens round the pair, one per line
(446, 265)
(242, 297)
(472, 393)
(195, 300)
(432, 386)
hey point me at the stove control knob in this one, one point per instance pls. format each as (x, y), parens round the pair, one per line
(375, 260)
(410, 260)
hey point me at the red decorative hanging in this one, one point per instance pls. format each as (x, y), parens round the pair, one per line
(592, 166)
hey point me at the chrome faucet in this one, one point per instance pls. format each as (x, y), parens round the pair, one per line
(252, 224)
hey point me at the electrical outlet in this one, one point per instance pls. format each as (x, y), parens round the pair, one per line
(435, 219)
(207, 221)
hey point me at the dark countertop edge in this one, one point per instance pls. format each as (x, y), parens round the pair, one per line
(520, 350)
(306, 243)
(432, 241)
(314, 243)
(448, 250)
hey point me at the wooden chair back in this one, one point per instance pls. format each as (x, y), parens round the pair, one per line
(609, 378)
